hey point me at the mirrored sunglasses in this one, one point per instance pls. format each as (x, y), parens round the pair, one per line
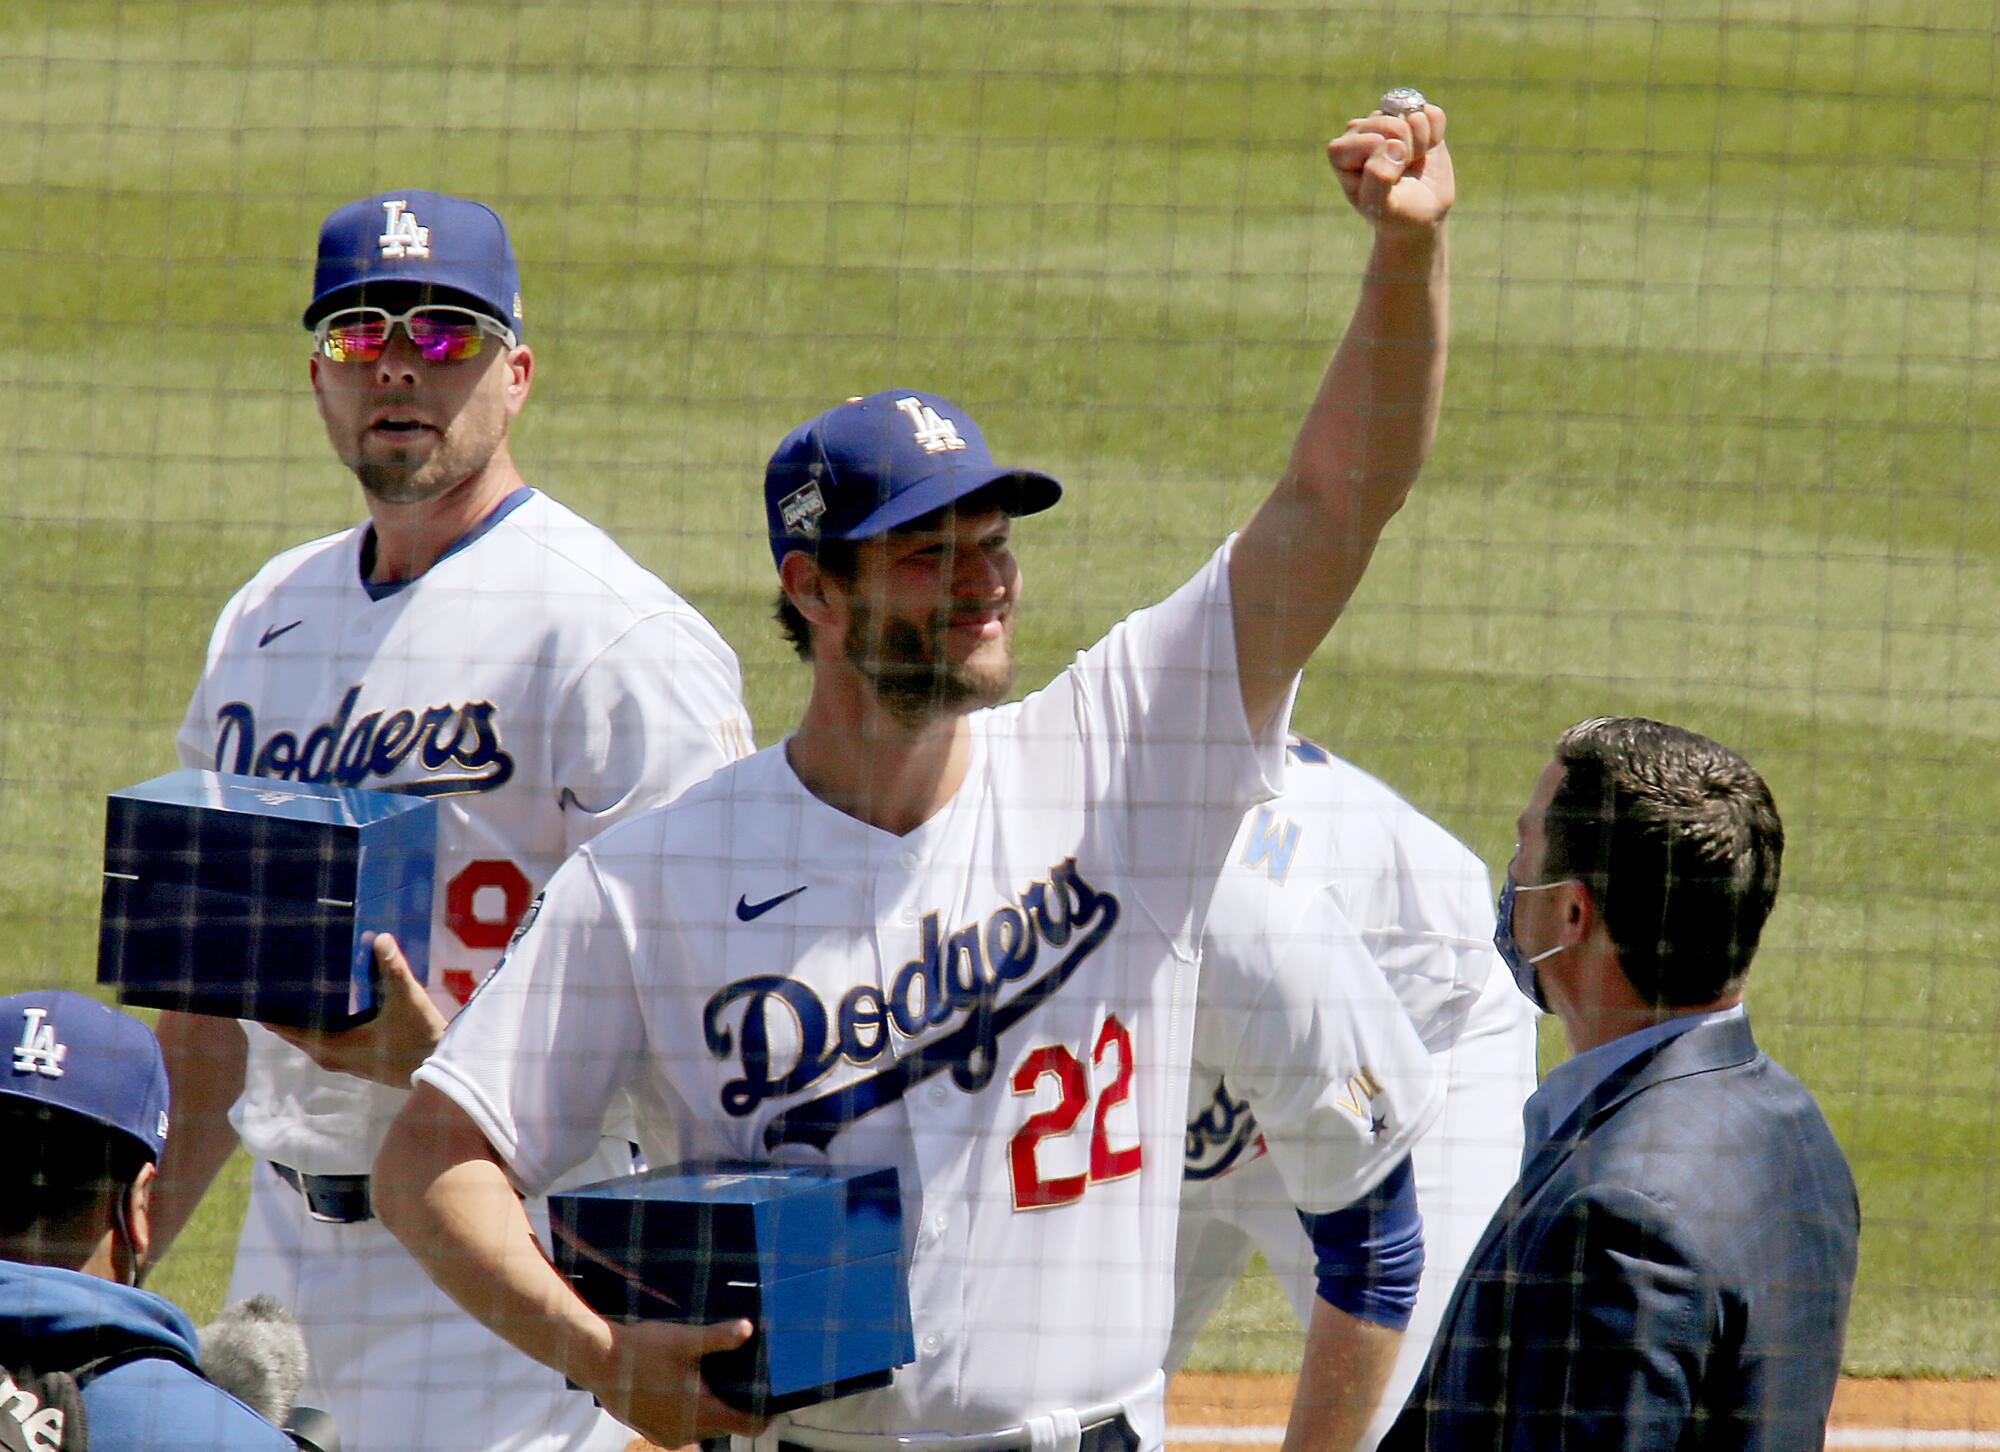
(440, 333)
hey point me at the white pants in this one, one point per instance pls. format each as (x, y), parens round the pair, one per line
(396, 1363)
(1464, 1164)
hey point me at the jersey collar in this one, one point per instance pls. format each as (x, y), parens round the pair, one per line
(383, 590)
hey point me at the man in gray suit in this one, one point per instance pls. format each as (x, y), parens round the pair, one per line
(1674, 1265)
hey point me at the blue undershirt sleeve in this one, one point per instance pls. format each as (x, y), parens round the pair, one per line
(1370, 1255)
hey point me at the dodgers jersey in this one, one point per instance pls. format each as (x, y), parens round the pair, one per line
(998, 1003)
(537, 682)
(1336, 874)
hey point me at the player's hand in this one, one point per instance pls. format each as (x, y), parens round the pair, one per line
(1395, 169)
(653, 1382)
(390, 1046)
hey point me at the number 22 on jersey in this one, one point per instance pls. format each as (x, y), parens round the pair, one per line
(1034, 1191)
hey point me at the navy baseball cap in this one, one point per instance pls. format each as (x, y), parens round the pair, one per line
(73, 1053)
(419, 237)
(875, 463)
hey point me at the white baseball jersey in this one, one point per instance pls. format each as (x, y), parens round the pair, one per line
(998, 1003)
(1339, 848)
(1278, 951)
(538, 684)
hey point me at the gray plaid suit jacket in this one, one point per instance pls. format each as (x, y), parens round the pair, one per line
(1672, 1270)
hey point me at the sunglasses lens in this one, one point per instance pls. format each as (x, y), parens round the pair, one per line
(355, 337)
(444, 336)
(439, 334)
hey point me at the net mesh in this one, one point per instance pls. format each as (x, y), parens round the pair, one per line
(1718, 442)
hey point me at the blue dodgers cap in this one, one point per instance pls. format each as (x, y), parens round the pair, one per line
(425, 238)
(874, 463)
(73, 1053)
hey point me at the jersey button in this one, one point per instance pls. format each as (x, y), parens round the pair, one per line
(937, 1093)
(909, 860)
(940, 1222)
(930, 1345)
(909, 915)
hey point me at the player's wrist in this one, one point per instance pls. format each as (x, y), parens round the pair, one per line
(1404, 249)
(589, 1352)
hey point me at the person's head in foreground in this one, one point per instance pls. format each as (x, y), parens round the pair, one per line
(83, 1113)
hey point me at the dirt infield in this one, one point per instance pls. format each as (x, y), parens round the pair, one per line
(1859, 1407)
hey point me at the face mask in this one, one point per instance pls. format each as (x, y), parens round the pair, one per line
(1518, 963)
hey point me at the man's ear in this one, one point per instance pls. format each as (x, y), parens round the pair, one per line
(804, 584)
(139, 1214)
(1580, 911)
(520, 366)
(319, 388)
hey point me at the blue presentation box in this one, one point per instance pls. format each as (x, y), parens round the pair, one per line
(251, 897)
(810, 1255)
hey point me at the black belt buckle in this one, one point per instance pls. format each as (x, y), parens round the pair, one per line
(330, 1199)
(1113, 1434)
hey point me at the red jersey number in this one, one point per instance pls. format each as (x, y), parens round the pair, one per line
(1033, 1191)
(462, 913)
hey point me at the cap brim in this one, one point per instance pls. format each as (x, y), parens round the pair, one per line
(1018, 491)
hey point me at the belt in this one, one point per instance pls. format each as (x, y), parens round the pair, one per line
(1108, 1434)
(331, 1199)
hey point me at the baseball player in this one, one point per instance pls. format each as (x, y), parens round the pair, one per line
(957, 938)
(1339, 846)
(475, 642)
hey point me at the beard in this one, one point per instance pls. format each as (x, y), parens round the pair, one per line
(397, 483)
(403, 476)
(912, 677)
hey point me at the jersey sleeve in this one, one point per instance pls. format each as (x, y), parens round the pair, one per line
(1302, 1025)
(656, 711)
(194, 743)
(1420, 899)
(1159, 710)
(545, 1047)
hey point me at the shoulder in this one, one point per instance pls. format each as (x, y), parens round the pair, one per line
(754, 797)
(586, 585)
(314, 565)
(1364, 807)
(574, 554)
(1709, 1129)
(156, 1405)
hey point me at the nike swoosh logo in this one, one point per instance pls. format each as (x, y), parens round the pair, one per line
(272, 632)
(747, 910)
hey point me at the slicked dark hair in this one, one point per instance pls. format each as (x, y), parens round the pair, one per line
(837, 557)
(1678, 839)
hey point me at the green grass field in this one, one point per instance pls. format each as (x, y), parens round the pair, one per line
(1718, 445)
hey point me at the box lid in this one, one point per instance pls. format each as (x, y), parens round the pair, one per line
(257, 835)
(299, 801)
(788, 1218)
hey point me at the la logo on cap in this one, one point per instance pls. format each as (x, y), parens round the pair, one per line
(38, 1052)
(934, 433)
(401, 236)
